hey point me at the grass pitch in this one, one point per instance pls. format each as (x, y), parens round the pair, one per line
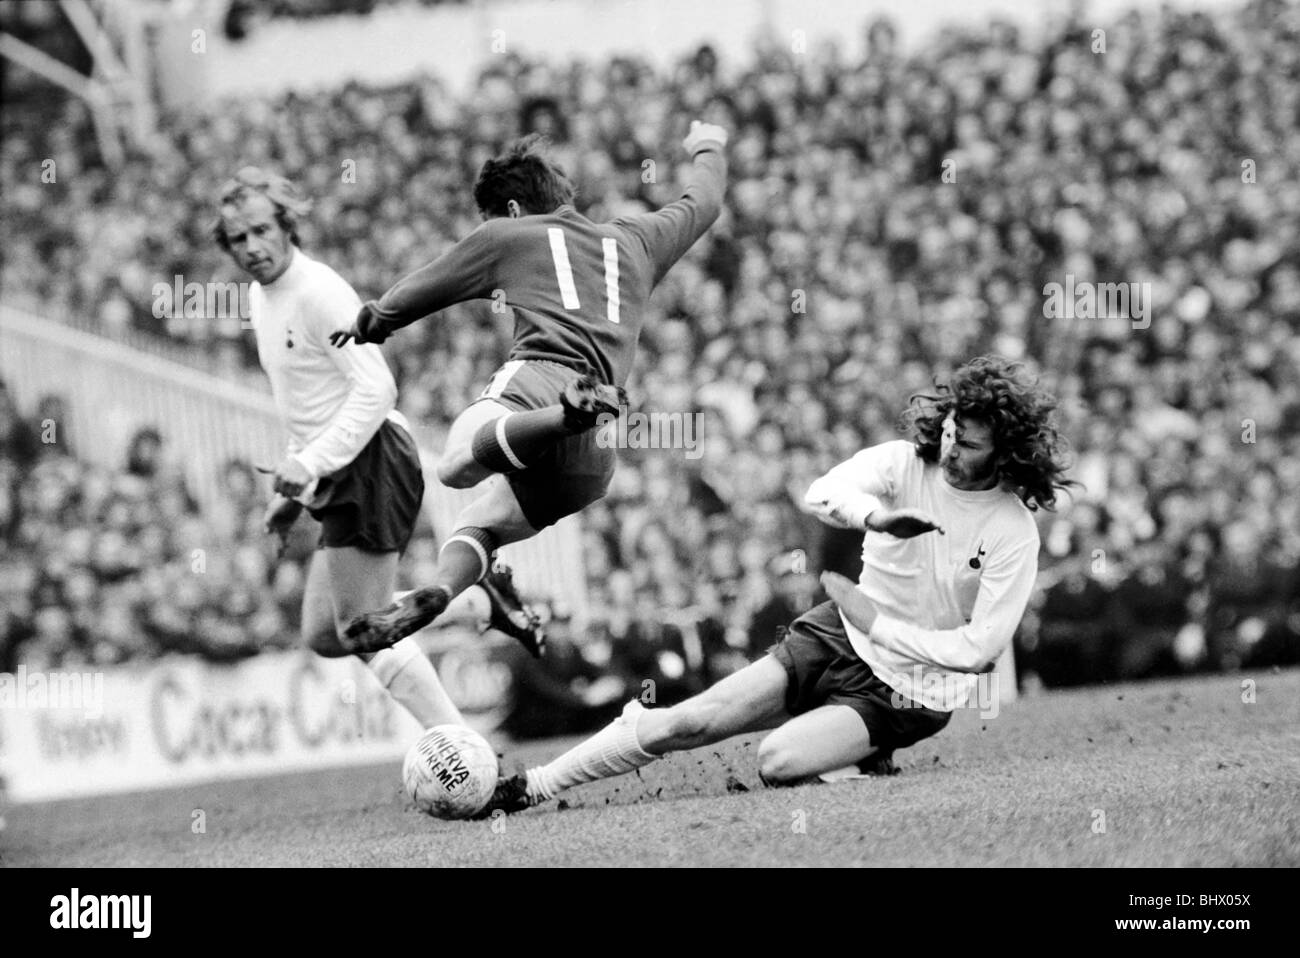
(1187, 772)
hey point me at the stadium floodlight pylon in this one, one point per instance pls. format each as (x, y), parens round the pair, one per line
(117, 87)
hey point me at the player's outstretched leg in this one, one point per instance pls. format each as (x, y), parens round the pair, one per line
(751, 699)
(516, 440)
(492, 520)
(490, 437)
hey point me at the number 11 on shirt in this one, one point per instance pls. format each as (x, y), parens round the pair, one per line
(564, 272)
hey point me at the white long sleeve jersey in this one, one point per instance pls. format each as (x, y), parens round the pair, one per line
(332, 401)
(949, 604)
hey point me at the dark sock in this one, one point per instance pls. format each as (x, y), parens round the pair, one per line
(460, 564)
(527, 435)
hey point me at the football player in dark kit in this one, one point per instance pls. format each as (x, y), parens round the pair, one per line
(578, 291)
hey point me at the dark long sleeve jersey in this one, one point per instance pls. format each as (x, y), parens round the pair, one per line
(578, 289)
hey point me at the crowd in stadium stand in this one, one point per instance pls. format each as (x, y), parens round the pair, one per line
(885, 221)
(102, 565)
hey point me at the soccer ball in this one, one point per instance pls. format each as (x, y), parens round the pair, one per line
(450, 772)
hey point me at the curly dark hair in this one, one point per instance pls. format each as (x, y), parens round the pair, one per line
(525, 174)
(1029, 453)
(291, 204)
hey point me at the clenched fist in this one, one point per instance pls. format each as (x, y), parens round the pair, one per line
(703, 136)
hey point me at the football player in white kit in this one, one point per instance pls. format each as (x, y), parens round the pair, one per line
(351, 459)
(949, 560)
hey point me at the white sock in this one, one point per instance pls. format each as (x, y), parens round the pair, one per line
(614, 750)
(412, 681)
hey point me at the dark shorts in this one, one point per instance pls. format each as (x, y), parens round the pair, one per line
(823, 669)
(372, 503)
(572, 474)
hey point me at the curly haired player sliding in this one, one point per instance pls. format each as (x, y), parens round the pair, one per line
(949, 560)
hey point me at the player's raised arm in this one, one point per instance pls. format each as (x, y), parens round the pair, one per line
(668, 233)
(850, 492)
(854, 495)
(461, 273)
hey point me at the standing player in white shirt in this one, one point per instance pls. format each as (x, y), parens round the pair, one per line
(949, 561)
(351, 458)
